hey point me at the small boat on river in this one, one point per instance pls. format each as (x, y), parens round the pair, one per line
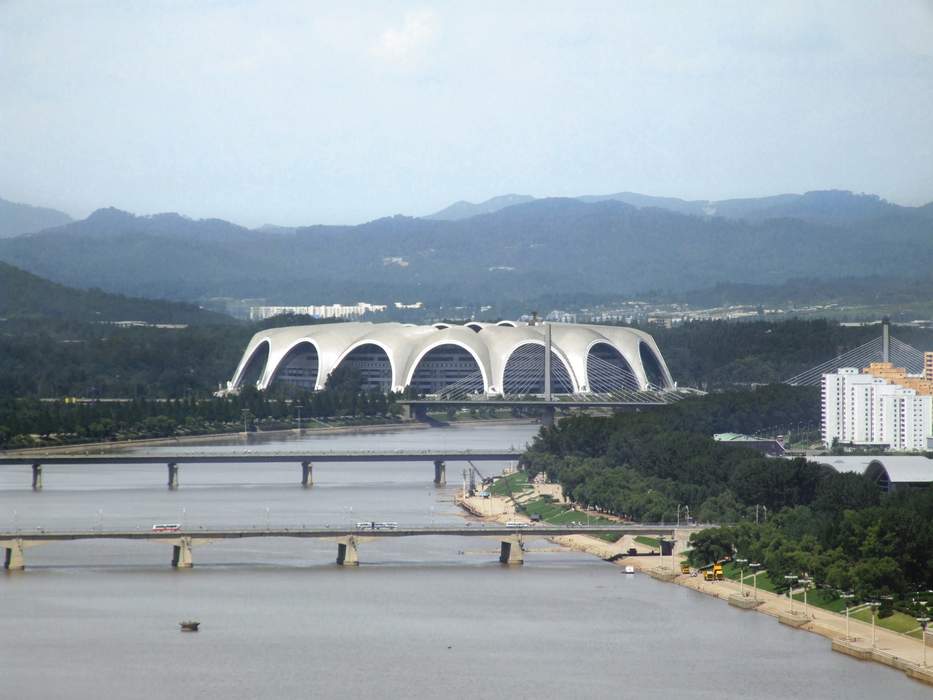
(189, 625)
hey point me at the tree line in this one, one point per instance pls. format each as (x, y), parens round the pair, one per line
(789, 514)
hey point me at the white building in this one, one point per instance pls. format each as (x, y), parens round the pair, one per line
(862, 409)
(349, 311)
(492, 359)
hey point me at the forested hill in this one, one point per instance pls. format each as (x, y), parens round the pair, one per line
(16, 219)
(826, 205)
(26, 296)
(516, 254)
(718, 354)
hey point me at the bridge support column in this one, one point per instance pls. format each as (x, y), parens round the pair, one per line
(172, 475)
(36, 477)
(347, 552)
(181, 554)
(510, 551)
(440, 473)
(13, 556)
(306, 474)
(547, 417)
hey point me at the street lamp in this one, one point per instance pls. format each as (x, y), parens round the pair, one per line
(806, 585)
(874, 610)
(743, 562)
(790, 578)
(923, 640)
(847, 597)
(754, 567)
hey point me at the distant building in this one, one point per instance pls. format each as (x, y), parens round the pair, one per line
(899, 471)
(770, 446)
(347, 311)
(883, 406)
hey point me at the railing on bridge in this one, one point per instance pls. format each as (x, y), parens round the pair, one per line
(511, 538)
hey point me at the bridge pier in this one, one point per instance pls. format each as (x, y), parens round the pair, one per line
(172, 475)
(181, 554)
(13, 556)
(440, 473)
(36, 477)
(547, 416)
(307, 474)
(347, 552)
(510, 551)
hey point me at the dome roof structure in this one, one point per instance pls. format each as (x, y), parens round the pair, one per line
(506, 358)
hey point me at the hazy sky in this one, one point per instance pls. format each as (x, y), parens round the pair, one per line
(305, 112)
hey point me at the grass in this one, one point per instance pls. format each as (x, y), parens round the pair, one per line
(898, 622)
(556, 514)
(507, 485)
(823, 599)
(648, 541)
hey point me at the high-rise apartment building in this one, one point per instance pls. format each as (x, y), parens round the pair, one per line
(871, 409)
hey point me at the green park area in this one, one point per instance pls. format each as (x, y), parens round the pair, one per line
(510, 485)
(732, 571)
(897, 621)
(556, 514)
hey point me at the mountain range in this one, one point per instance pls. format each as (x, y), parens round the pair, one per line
(26, 296)
(827, 205)
(523, 250)
(17, 219)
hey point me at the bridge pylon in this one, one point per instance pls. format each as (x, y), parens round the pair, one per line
(511, 552)
(440, 473)
(347, 552)
(181, 553)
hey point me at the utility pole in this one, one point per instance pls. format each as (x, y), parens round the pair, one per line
(547, 361)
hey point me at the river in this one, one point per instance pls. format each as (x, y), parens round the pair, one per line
(419, 618)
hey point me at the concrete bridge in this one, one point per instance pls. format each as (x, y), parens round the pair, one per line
(305, 459)
(348, 539)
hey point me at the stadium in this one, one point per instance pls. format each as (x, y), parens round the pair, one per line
(492, 359)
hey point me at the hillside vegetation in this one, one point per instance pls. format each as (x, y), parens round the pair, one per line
(24, 295)
(518, 253)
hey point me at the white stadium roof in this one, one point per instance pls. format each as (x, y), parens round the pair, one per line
(477, 357)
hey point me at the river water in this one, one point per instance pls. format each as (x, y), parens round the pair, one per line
(420, 617)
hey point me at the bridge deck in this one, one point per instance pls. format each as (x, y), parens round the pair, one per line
(479, 530)
(262, 456)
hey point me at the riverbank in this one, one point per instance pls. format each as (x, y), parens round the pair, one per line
(857, 639)
(257, 437)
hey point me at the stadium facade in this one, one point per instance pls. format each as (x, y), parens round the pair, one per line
(494, 359)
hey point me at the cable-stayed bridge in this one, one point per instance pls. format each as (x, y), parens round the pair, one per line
(884, 348)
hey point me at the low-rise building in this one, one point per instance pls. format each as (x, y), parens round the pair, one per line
(770, 446)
